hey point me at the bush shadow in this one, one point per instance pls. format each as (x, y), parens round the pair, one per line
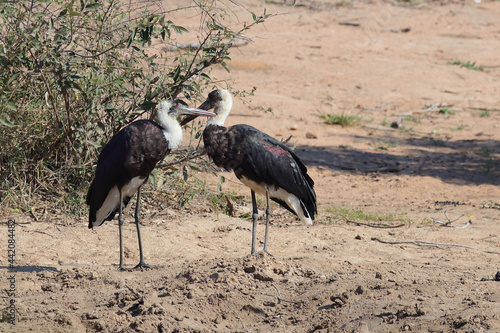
(462, 162)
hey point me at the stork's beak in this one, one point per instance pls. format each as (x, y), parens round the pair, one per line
(204, 106)
(193, 112)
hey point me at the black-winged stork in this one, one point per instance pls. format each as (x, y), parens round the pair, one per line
(127, 160)
(259, 161)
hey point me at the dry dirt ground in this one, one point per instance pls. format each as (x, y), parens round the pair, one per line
(393, 64)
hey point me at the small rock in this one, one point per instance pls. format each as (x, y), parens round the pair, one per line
(269, 303)
(294, 127)
(310, 135)
(339, 300)
(262, 277)
(497, 276)
(397, 122)
(358, 237)
(378, 275)
(419, 311)
(51, 287)
(251, 308)
(250, 269)
(89, 316)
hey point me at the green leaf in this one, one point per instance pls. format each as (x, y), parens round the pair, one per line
(6, 122)
(176, 74)
(220, 182)
(180, 30)
(223, 64)
(205, 76)
(94, 5)
(131, 37)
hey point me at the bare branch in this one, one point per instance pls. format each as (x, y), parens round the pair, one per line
(195, 46)
(183, 159)
(448, 224)
(432, 244)
(371, 225)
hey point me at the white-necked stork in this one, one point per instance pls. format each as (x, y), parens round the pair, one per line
(259, 161)
(127, 160)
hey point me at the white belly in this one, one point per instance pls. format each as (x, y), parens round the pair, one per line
(113, 198)
(291, 200)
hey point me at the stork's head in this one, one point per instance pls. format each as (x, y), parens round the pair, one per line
(221, 101)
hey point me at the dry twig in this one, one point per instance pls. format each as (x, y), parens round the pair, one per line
(388, 168)
(381, 226)
(448, 224)
(185, 158)
(426, 243)
(352, 24)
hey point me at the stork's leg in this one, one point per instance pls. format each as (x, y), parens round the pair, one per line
(268, 211)
(120, 224)
(137, 216)
(255, 214)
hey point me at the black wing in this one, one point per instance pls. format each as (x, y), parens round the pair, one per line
(108, 173)
(132, 152)
(277, 164)
(261, 158)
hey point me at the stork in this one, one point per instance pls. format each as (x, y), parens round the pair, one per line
(127, 160)
(259, 161)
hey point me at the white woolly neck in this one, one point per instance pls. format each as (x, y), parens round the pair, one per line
(222, 109)
(172, 129)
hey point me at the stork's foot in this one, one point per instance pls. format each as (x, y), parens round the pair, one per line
(261, 254)
(121, 268)
(264, 253)
(142, 266)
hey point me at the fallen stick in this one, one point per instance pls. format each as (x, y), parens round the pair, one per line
(448, 224)
(480, 108)
(381, 226)
(381, 169)
(352, 24)
(426, 243)
(383, 104)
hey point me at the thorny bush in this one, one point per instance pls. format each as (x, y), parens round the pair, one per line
(74, 72)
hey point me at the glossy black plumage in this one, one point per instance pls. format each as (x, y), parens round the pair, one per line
(138, 147)
(259, 161)
(127, 160)
(259, 157)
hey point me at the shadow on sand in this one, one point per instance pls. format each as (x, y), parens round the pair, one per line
(462, 162)
(30, 269)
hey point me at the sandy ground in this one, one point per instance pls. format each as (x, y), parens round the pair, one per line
(404, 273)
